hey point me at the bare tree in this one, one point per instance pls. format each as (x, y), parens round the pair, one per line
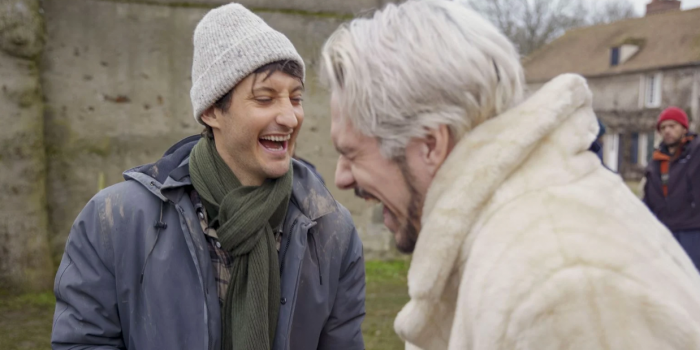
(612, 11)
(533, 23)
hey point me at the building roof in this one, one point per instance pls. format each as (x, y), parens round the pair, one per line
(667, 40)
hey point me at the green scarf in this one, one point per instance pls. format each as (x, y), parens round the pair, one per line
(245, 216)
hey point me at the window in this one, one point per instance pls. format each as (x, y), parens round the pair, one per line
(652, 90)
(646, 148)
(641, 148)
(614, 56)
(651, 145)
(623, 53)
(635, 151)
(611, 150)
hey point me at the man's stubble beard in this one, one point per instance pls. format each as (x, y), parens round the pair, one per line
(674, 144)
(409, 228)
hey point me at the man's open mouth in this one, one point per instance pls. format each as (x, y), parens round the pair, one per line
(275, 143)
(366, 196)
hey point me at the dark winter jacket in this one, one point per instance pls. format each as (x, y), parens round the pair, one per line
(112, 294)
(678, 211)
(312, 168)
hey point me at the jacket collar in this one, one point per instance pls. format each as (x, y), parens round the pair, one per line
(477, 167)
(170, 173)
(310, 194)
(663, 153)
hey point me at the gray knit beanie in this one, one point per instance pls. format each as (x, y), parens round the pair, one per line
(230, 43)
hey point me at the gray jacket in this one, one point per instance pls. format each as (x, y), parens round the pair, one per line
(136, 273)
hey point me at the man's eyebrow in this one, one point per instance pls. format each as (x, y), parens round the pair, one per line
(264, 89)
(273, 91)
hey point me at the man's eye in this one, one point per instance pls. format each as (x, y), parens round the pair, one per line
(297, 99)
(263, 100)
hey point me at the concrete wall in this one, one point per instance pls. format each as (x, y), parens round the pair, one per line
(93, 87)
(116, 79)
(25, 262)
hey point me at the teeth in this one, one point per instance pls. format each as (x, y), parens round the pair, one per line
(276, 138)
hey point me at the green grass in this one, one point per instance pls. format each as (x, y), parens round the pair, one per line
(634, 186)
(26, 320)
(386, 295)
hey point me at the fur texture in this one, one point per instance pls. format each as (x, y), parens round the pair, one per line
(528, 242)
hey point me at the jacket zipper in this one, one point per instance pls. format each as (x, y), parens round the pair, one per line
(159, 225)
(690, 192)
(286, 246)
(200, 273)
(318, 261)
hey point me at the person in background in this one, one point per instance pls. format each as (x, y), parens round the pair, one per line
(597, 145)
(672, 180)
(225, 242)
(521, 239)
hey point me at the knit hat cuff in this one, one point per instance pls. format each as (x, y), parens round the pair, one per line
(673, 113)
(237, 63)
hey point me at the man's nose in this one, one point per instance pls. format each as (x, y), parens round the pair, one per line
(343, 176)
(287, 116)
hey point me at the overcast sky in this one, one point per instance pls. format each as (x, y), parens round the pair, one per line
(640, 5)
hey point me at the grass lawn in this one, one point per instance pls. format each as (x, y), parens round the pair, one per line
(26, 320)
(386, 295)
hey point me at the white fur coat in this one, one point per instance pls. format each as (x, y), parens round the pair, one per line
(528, 242)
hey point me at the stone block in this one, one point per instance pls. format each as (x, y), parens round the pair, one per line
(21, 32)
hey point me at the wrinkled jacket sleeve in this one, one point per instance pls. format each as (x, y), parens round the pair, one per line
(343, 329)
(592, 307)
(86, 315)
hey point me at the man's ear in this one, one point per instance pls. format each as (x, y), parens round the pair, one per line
(437, 145)
(212, 117)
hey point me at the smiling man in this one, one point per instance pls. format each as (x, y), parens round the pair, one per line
(521, 239)
(225, 242)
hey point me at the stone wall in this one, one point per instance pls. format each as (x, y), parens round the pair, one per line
(25, 262)
(115, 78)
(616, 99)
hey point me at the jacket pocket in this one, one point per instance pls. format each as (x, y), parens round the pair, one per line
(318, 260)
(65, 265)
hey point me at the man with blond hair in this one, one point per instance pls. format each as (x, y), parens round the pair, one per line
(499, 200)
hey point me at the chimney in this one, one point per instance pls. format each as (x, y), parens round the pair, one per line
(661, 6)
